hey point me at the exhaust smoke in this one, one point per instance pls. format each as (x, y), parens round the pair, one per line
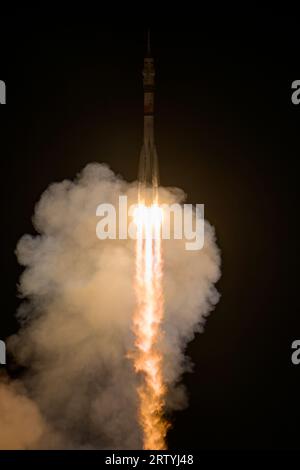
(79, 327)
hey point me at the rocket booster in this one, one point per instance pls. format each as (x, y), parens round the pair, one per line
(148, 166)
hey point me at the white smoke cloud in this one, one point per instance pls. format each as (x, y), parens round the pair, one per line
(21, 422)
(76, 331)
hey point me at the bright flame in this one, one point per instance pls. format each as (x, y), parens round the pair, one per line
(147, 322)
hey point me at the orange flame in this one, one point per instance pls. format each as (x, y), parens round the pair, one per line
(147, 322)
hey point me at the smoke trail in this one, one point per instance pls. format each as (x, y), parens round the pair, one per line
(76, 320)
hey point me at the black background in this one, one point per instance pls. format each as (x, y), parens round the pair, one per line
(227, 133)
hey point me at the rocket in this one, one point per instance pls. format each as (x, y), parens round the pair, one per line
(148, 166)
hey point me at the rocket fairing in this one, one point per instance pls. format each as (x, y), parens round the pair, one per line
(148, 166)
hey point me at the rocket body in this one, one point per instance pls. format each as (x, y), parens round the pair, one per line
(148, 167)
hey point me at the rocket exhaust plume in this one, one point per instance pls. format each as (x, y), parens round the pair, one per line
(148, 360)
(147, 327)
(81, 313)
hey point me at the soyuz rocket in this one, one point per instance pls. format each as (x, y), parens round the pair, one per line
(148, 166)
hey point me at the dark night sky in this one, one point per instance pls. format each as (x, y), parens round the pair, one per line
(228, 134)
